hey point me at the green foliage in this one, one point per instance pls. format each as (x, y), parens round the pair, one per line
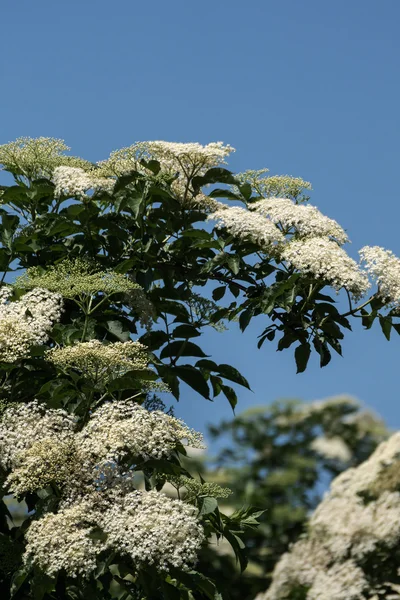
(127, 244)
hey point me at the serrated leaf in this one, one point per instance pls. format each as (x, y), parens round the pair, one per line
(194, 378)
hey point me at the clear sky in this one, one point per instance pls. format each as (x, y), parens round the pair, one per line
(303, 87)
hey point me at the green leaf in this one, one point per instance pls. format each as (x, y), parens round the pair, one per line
(214, 175)
(245, 318)
(207, 505)
(154, 339)
(179, 348)
(386, 326)
(219, 293)
(117, 330)
(185, 331)
(246, 191)
(194, 378)
(302, 354)
(230, 394)
(19, 579)
(229, 372)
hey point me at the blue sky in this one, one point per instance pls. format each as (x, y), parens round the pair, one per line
(310, 89)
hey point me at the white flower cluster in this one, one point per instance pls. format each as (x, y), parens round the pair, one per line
(323, 258)
(332, 448)
(37, 157)
(191, 159)
(26, 322)
(75, 182)
(360, 516)
(306, 219)
(247, 226)
(280, 186)
(384, 267)
(148, 527)
(154, 529)
(63, 541)
(42, 447)
(119, 428)
(23, 425)
(76, 278)
(100, 362)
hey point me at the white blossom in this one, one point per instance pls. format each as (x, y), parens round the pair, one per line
(325, 260)
(332, 448)
(63, 542)
(247, 226)
(76, 278)
(99, 361)
(306, 219)
(26, 322)
(23, 425)
(189, 159)
(384, 267)
(37, 157)
(358, 517)
(76, 182)
(154, 529)
(122, 427)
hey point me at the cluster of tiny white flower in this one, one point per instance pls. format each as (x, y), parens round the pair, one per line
(26, 322)
(37, 157)
(118, 428)
(306, 219)
(192, 158)
(323, 258)
(75, 182)
(100, 362)
(247, 226)
(23, 425)
(148, 527)
(358, 517)
(384, 267)
(63, 541)
(154, 529)
(42, 446)
(76, 278)
(282, 186)
(332, 448)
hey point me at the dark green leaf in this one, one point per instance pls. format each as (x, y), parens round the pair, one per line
(194, 378)
(302, 354)
(179, 348)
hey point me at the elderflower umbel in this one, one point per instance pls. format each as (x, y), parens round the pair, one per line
(305, 218)
(26, 322)
(37, 157)
(153, 529)
(98, 361)
(76, 278)
(75, 182)
(63, 541)
(191, 159)
(283, 186)
(23, 425)
(384, 267)
(122, 427)
(247, 226)
(324, 259)
(46, 461)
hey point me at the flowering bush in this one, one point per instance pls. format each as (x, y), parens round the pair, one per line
(114, 265)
